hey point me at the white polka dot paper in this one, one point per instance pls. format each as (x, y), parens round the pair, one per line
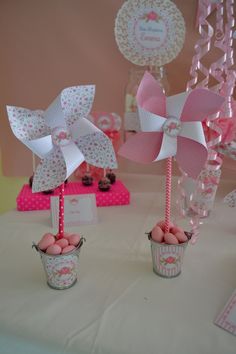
(230, 199)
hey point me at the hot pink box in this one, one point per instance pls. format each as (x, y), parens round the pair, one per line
(117, 195)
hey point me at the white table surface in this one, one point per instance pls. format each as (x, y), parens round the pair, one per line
(118, 306)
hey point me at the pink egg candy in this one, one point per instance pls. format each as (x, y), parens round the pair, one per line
(170, 239)
(53, 249)
(46, 241)
(157, 234)
(176, 229)
(68, 249)
(47, 235)
(162, 224)
(74, 239)
(181, 237)
(66, 235)
(62, 242)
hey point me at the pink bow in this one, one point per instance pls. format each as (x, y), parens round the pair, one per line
(171, 126)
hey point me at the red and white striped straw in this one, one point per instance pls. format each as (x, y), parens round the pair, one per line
(61, 211)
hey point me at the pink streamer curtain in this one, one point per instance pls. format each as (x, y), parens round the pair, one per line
(215, 22)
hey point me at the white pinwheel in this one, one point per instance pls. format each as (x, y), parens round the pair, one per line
(62, 136)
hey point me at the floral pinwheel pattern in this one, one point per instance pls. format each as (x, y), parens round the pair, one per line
(62, 136)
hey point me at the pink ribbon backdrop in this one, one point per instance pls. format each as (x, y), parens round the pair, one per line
(215, 22)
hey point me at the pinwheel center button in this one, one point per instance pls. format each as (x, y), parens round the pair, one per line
(172, 127)
(61, 136)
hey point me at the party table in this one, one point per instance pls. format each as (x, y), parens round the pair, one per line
(119, 306)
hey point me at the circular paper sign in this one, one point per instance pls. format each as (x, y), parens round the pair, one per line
(149, 32)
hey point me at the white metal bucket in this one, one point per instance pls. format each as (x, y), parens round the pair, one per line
(167, 259)
(61, 270)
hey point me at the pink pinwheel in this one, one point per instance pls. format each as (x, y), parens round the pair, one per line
(62, 137)
(171, 126)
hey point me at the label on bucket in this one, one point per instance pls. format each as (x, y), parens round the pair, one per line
(61, 271)
(167, 259)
